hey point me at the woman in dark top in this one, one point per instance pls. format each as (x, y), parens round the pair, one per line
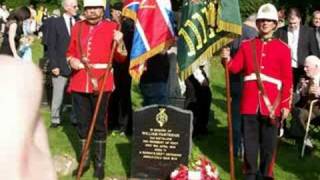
(13, 31)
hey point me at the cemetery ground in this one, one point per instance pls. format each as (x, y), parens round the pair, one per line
(289, 166)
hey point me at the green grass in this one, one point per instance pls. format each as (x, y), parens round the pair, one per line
(289, 166)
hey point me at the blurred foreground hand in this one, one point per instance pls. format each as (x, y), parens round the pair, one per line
(23, 139)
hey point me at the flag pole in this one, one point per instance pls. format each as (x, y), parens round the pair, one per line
(229, 118)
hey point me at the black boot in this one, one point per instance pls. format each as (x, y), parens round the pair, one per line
(86, 164)
(99, 157)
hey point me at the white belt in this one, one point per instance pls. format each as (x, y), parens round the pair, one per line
(95, 66)
(264, 77)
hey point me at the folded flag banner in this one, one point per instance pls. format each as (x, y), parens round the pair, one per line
(154, 31)
(130, 8)
(205, 27)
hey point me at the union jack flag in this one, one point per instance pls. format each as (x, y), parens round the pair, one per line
(130, 8)
(154, 31)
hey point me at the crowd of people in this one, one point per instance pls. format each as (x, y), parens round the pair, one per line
(275, 66)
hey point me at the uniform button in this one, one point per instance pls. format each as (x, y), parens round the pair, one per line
(263, 54)
(262, 67)
(264, 43)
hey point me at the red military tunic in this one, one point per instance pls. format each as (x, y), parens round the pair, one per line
(274, 61)
(96, 42)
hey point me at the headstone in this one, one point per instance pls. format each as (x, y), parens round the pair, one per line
(161, 141)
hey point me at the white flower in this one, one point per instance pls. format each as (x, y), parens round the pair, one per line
(174, 173)
(208, 168)
(194, 175)
(216, 174)
(198, 163)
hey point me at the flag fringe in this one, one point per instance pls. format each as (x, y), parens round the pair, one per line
(135, 75)
(184, 74)
(144, 57)
(129, 13)
(229, 27)
(232, 30)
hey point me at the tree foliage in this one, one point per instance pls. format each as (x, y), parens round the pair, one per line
(306, 6)
(247, 7)
(14, 3)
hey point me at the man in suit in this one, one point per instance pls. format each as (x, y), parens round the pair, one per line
(316, 25)
(58, 42)
(44, 61)
(300, 39)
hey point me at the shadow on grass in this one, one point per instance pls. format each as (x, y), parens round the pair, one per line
(218, 90)
(124, 150)
(289, 165)
(71, 134)
(289, 160)
(215, 147)
(221, 104)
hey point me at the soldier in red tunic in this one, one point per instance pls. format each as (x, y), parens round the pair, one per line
(266, 96)
(89, 57)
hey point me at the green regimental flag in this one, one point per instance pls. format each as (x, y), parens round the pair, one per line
(205, 27)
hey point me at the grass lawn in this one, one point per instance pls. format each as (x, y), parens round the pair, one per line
(289, 166)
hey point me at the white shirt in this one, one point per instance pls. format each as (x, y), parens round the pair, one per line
(66, 18)
(318, 36)
(1, 12)
(316, 80)
(198, 74)
(5, 14)
(293, 38)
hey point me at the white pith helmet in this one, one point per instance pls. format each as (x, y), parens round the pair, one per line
(267, 11)
(94, 3)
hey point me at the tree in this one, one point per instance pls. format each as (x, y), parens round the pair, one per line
(14, 3)
(249, 7)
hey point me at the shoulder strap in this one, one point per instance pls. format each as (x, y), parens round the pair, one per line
(255, 65)
(79, 40)
(93, 80)
(271, 107)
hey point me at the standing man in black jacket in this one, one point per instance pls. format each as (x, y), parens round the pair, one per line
(316, 25)
(301, 40)
(58, 41)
